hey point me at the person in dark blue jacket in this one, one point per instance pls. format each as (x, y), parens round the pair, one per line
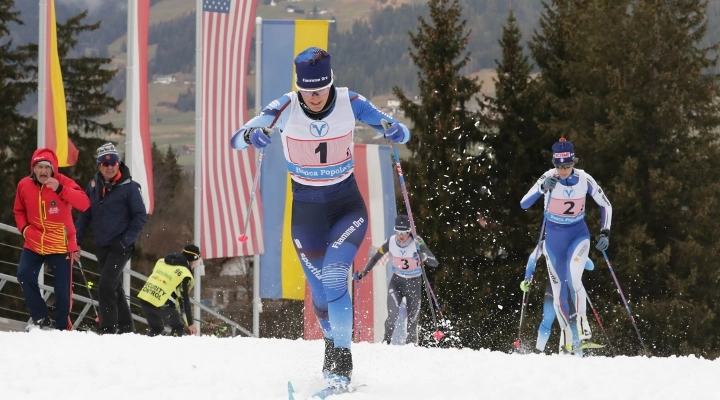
(117, 214)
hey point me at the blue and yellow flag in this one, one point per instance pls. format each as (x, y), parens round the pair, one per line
(281, 275)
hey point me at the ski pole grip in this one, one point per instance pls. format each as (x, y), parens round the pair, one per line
(385, 124)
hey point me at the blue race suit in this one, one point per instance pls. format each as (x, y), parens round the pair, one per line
(548, 309)
(329, 216)
(567, 239)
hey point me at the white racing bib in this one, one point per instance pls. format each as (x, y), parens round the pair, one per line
(567, 203)
(405, 260)
(320, 153)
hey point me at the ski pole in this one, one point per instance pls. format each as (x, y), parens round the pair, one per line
(243, 236)
(526, 295)
(438, 334)
(82, 272)
(627, 307)
(356, 287)
(602, 328)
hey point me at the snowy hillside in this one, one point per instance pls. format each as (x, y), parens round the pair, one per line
(75, 365)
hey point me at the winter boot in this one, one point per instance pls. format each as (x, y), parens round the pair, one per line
(584, 328)
(329, 359)
(45, 324)
(107, 330)
(176, 331)
(566, 339)
(341, 371)
(126, 328)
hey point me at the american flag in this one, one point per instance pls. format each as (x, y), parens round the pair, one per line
(227, 175)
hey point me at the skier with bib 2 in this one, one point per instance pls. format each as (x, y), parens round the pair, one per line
(567, 239)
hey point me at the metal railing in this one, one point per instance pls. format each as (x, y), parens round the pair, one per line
(4, 278)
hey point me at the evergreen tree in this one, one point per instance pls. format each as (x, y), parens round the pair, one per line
(170, 214)
(515, 150)
(85, 80)
(514, 146)
(14, 87)
(643, 119)
(444, 172)
(658, 156)
(15, 73)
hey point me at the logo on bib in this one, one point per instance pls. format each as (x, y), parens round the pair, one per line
(319, 128)
(569, 192)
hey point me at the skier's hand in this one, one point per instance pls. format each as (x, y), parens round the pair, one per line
(525, 286)
(396, 133)
(603, 240)
(258, 137)
(192, 329)
(550, 182)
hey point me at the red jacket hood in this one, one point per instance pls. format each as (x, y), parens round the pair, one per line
(44, 155)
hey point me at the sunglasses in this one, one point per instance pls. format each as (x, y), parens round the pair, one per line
(564, 166)
(109, 163)
(319, 92)
(402, 232)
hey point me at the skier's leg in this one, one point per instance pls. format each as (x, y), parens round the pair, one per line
(577, 256)
(547, 320)
(393, 306)
(413, 295)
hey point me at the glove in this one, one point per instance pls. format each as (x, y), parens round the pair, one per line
(550, 182)
(395, 133)
(258, 137)
(359, 276)
(603, 240)
(525, 286)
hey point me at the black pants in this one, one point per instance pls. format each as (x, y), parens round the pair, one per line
(411, 290)
(158, 317)
(114, 310)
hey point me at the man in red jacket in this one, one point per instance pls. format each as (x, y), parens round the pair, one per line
(43, 214)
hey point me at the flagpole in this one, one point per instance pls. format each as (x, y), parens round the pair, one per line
(42, 73)
(257, 302)
(200, 269)
(42, 92)
(130, 87)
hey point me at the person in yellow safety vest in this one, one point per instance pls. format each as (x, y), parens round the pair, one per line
(167, 291)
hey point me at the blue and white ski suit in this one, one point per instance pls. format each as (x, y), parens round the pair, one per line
(549, 314)
(567, 239)
(329, 216)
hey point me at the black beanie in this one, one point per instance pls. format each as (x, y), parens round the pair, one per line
(402, 223)
(191, 252)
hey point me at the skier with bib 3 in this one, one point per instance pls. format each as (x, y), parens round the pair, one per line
(407, 279)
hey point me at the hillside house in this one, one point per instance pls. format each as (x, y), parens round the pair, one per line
(164, 79)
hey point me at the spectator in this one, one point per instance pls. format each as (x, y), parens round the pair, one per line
(117, 214)
(167, 291)
(45, 221)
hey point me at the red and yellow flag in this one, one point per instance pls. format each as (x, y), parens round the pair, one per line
(55, 122)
